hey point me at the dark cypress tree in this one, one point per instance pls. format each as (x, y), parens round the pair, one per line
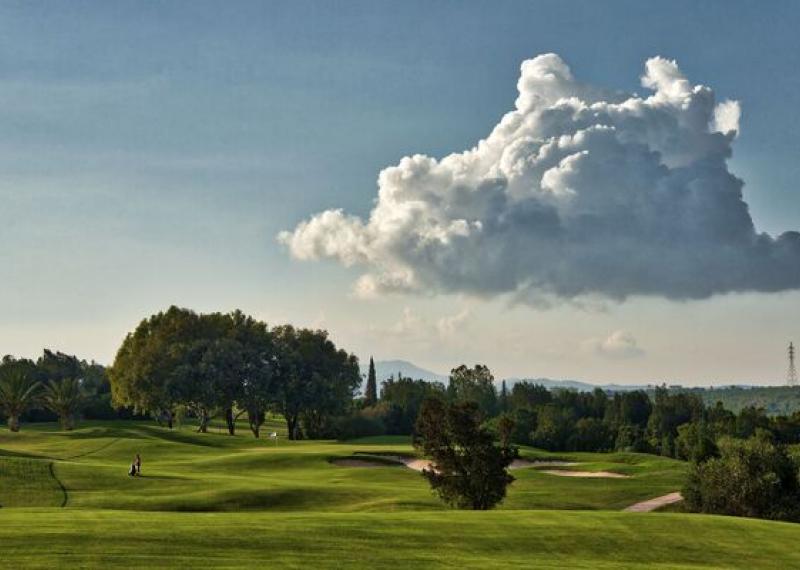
(503, 397)
(371, 393)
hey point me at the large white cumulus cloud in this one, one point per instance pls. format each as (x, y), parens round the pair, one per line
(578, 191)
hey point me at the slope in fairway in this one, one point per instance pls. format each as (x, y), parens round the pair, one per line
(212, 499)
(519, 539)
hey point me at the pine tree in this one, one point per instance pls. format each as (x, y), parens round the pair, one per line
(468, 470)
(503, 397)
(371, 394)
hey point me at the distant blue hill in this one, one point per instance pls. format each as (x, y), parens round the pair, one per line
(577, 385)
(386, 368)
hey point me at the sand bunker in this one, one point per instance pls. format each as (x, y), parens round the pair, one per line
(351, 462)
(589, 474)
(524, 463)
(419, 464)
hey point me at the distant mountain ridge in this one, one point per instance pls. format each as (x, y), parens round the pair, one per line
(578, 385)
(386, 368)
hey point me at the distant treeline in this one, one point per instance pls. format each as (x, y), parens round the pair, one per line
(674, 423)
(53, 367)
(774, 400)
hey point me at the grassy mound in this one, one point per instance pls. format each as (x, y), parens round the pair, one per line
(215, 500)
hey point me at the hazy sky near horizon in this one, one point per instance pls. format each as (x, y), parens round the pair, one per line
(151, 153)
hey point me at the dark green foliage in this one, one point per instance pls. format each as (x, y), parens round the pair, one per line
(749, 420)
(629, 408)
(234, 364)
(528, 395)
(315, 381)
(64, 398)
(631, 438)
(503, 399)
(18, 393)
(402, 399)
(671, 410)
(695, 442)
(469, 470)
(750, 478)
(473, 385)
(774, 400)
(362, 423)
(554, 427)
(371, 391)
(591, 434)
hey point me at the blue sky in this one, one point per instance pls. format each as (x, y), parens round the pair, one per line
(151, 151)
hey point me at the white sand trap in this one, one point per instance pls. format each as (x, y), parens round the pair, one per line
(419, 464)
(349, 462)
(587, 474)
(653, 504)
(525, 463)
(416, 464)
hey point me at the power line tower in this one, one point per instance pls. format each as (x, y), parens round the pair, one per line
(791, 374)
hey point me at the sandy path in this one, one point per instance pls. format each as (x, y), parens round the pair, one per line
(653, 504)
(589, 474)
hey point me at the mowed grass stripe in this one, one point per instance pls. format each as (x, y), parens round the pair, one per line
(444, 539)
(28, 482)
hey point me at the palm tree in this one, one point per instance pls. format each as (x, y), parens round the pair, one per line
(63, 397)
(17, 395)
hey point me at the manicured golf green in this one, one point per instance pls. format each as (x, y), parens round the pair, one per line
(212, 499)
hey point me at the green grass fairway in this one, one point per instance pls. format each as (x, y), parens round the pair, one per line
(215, 500)
(518, 539)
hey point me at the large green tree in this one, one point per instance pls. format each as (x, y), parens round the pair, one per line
(206, 362)
(474, 384)
(468, 470)
(403, 398)
(750, 478)
(315, 380)
(153, 367)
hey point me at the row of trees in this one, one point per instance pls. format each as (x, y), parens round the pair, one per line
(675, 424)
(233, 365)
(55, 386)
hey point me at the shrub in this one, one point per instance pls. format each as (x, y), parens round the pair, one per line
(750, 478)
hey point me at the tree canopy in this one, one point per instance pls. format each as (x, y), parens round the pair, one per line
(468, 470)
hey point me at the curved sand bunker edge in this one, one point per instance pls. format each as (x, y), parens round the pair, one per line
(586, 474)
(418, 464)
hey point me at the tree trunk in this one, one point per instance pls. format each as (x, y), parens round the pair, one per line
(168, 414)
(256, 418)
(230, 421)
(203, 418)
(66, 422)
(291, 425)
(13, 422)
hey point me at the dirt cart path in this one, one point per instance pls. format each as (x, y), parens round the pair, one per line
(653, 504)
